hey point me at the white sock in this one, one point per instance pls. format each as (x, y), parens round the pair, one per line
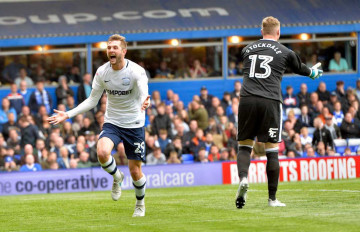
(110, 167)
(140, 186)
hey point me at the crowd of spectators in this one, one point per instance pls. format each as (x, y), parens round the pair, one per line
(205, 129)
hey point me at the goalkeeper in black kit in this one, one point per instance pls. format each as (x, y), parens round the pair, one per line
(260, 108)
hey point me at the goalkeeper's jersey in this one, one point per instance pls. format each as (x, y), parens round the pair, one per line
(126, 90)
(265, 62)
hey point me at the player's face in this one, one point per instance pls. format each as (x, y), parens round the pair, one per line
(115, 52)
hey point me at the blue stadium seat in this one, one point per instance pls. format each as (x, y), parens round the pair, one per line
(187, 158)
(340, 145)
(354, 144)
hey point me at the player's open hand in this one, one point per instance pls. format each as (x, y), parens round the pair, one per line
(146, 103)
(315, 71)
(58, 117)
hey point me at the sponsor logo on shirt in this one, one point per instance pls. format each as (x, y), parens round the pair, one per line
(118, 92)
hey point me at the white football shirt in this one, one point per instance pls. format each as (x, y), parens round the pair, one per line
(126, 90)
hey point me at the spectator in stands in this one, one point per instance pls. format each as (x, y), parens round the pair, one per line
(74, 75)
(163, 71)
(63, 91)
(183, 70)
(163, 139)
(205, 98)
(174, 146)
(30, 165)
(333, 100)
(16, 99)
(58, 144)
(173, 158)
(188, 136)
(84, 88)
(224, 154)
(291, 118)
(23, 77)
(237, 88)
(13, 141)
(84, 161)
(11, 71)
(9, 160)
(347, 152)
(169, 111)
(40, 97)
(63, 160)
(325, 113)
(290, 100)
(324, 94)
(40, 150)
(320, 149)
(314, 98)
(214, 154)
(198, 113)
(332, 127)
(313, 60)
(197, 142)
(29, 132)
(39, 73)
(354, 115)
(348, 128)
(149, 144)
(304, 120)
(226, 100)
(310, 153)
(340, 91)
(161, 121)
(156, 157)
(303, 96)
(233, 117)
(322, 134)
(350, 97)
(202, 156)
(232, 70)
(338, 113)
(88, 125)
(357, 89)
(155, 99)
(25, 92)
(11, 124)
(47, 163)
(338, 64)
(215, 103)
(219, 114)
(198, 70)
(169, 97)
(5, 111)
(73, 164)
(304, 136)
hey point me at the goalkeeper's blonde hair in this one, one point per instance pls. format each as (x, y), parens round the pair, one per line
(270, 25)
(117, 37)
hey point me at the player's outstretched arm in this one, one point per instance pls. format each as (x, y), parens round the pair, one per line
(58, 118)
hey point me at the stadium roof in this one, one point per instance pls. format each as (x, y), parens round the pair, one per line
(80, 21)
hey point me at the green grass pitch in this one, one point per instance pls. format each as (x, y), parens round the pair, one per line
(311, 206)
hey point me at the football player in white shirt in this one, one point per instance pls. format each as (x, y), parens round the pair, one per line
(126, 86)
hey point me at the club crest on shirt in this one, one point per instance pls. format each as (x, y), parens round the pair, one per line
(125, 81)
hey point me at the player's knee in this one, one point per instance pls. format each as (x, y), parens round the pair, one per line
(102, 153)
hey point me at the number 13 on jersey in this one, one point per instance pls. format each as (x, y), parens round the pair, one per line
(264, 64)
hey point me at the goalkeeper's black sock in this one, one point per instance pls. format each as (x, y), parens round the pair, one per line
(243, 161)
(272, 171)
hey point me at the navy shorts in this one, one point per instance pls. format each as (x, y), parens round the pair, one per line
(133, 139)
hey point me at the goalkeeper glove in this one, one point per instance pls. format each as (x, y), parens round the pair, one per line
(315, 72)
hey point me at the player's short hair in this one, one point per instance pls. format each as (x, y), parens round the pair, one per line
(269, 24)
(117, 37)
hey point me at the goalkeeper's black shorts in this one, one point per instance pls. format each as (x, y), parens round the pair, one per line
(260, 117)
